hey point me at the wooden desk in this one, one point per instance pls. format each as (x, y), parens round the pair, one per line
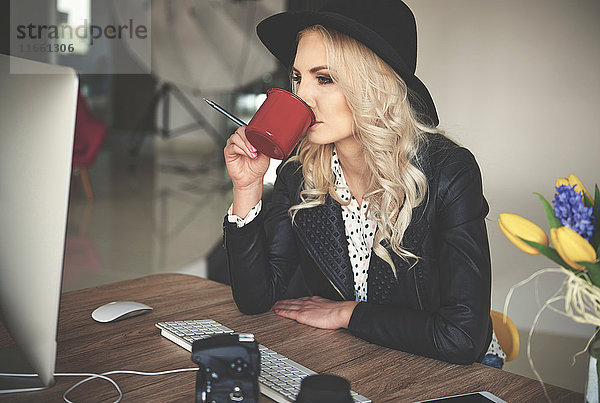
(377, 372)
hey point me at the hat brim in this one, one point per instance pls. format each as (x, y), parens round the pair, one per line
(279, 32)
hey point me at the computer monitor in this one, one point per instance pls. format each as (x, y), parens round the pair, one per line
(37, 122)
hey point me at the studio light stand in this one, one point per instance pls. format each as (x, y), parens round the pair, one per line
(164, 94)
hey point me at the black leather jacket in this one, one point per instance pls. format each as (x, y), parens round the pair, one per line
(438, 307)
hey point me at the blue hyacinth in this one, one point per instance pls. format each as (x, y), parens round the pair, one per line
(570, 210)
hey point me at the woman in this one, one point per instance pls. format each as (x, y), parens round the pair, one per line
(380, 212)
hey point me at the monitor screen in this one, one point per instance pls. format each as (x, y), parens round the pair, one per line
(37, 121)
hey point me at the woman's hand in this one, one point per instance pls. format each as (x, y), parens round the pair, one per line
(317, 311)
(245, 165)
(246, 168)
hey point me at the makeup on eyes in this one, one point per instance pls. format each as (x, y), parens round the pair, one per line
(322, 78)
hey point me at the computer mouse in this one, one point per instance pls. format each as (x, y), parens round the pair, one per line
(119, 310)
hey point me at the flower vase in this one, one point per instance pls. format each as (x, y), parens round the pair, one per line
(591, 386)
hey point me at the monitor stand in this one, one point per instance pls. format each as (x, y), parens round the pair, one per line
(12, 361)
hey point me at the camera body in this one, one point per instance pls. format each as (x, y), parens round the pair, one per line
(229, 368)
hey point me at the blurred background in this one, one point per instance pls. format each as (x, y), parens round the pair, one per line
(515, 82)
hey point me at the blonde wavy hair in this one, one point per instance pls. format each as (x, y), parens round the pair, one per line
(386, 126)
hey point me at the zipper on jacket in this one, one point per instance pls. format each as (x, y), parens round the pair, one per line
(417, 288)
(320, 268)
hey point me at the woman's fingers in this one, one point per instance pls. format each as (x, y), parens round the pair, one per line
(246, 167)
(317, 311)
(239, 144)
(293, 303)
(241, 134)
(300, 304)
(237, 149)
(288, 313)
(293, 309)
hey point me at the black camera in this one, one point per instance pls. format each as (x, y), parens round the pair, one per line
(229, 368)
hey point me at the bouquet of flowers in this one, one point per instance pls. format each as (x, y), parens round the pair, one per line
(574, 221)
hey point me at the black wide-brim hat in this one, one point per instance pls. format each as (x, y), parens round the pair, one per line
(387, 27)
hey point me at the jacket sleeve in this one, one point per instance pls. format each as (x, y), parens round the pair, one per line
(460, 330)
(262, 255)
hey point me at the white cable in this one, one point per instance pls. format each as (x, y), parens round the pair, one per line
(28, 389)
(90, 376)
(18, 375)
(105, 377)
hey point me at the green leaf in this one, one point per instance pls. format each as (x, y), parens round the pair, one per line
(553, 222)
(593, 270)
(550, 253)
(587, 202)
(595, 240)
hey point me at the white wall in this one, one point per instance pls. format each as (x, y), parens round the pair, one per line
(518, 83)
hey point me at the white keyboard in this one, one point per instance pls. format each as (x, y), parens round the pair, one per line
(279, 378)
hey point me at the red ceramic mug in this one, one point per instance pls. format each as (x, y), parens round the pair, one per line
(277, 126)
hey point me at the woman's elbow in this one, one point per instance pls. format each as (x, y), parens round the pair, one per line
(463, 356)
(463, 351)
(248, 307)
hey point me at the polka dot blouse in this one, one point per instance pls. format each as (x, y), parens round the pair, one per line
(360, 231)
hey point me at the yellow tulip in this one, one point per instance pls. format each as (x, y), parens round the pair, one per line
(514, 227)
(572, 247)
(573, 180)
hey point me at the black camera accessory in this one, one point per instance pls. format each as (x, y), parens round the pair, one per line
(324, 389)
(229, 368)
